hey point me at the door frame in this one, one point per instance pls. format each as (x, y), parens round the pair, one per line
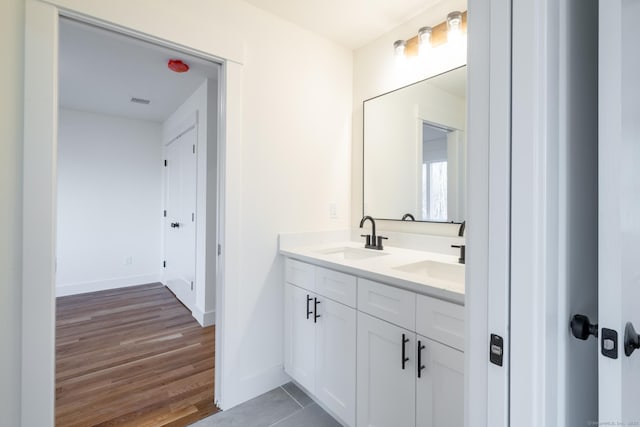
(39, 201)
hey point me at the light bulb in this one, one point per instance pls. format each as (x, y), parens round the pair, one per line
(454, 26)
(399, 47)
(424, 40)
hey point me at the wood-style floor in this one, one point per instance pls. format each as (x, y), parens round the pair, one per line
(131, 357)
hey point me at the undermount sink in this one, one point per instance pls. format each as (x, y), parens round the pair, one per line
(435, 270)
(351, 253)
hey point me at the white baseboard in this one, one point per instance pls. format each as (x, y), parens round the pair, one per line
(248, 387)
(65, 289)
(206, 318)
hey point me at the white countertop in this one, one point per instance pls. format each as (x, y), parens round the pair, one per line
(380, 268)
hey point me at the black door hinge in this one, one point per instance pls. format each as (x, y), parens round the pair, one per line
(194, 149)
(164, 213)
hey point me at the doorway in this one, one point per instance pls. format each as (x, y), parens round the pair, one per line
(137, 205)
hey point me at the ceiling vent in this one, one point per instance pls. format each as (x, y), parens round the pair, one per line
(140, 101)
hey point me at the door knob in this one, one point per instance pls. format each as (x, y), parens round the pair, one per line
(631, 339)
(175, 225)
(581, 328)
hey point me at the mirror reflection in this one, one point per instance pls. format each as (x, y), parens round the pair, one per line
(415, 151)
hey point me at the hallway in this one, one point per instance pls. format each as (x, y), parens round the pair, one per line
(131, 356)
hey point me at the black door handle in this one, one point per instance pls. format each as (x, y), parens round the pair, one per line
(631, 339)
(581, 328)
(315, 310)
(308, 311)
(420, 365)
(405, 359)
(175, 225)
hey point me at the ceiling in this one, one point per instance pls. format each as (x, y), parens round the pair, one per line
(351, 23)
(100, 71)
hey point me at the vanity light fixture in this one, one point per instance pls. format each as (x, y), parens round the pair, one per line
(451, 30)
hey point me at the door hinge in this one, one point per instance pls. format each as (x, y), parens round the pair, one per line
(164, 213)
(191, 285)
(165, 163)
(193, 217)
(164, 264)
(219, 249)
(194, 149)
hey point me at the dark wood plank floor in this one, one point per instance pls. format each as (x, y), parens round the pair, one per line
(131, 357)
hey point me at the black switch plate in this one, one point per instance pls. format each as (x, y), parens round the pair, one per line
(496, 349)
(609, 343)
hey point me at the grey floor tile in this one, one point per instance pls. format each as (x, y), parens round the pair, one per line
(311, 416)
(262, 411)
(297, 394)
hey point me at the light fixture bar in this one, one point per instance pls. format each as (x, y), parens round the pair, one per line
(438, 36)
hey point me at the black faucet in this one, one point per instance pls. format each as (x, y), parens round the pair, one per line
(408, 216)
(462, 251)
(371, 242)
(463, 225)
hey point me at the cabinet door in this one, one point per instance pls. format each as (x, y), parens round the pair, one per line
(386, 391)
(299, 338)
(440, 388)
(336, 359)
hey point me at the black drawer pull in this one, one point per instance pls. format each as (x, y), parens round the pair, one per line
(420, 365)
(405, 359)
(315, 310)
(308, 311)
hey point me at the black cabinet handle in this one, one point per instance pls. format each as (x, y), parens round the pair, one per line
(405, 359)
(420, 365)
(308, 311)
(315, 310)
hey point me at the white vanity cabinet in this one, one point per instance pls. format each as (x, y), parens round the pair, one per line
(403, 373)
(398, 354)
(320, 336)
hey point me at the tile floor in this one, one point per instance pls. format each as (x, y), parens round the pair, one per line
(285, 406)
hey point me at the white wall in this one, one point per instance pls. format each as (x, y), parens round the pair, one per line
(203, 104)
(288, 147)
(109, 202)
(11, 106)
(375, 72)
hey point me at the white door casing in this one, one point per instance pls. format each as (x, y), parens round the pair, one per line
(619, 207)
(179, 224)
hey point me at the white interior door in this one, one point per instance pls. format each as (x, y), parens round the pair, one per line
(179, 227)
(619, 209)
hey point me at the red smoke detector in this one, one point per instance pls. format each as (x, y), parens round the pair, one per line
(178, 66)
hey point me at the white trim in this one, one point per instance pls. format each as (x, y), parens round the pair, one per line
(65, 289)
(206, 318)
(499, 250)
(534, 265)
(476, 328)
(40, 163)
(39, 212)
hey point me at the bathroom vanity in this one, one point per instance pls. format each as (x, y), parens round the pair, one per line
(376, 336)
